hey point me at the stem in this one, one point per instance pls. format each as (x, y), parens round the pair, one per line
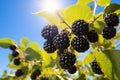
(62, 19)
(95, 6)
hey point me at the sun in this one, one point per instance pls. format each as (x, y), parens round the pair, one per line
(50, 5)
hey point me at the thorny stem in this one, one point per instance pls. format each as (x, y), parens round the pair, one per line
(95, 6)
(63, 21)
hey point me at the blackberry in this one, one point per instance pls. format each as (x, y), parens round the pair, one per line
(13, 47)
(80, 44)
(111, 19)
(49, 46)
(80, 27)
(19, 72)
(44, 78)
(17, 61)
(49, 31)
(109, 32)
(92, 36)
(15, 53)
(67, 60)
(72, 69)
(96, 68)
(35, 74)
(61, 41)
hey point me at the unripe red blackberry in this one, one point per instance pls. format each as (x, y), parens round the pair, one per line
(67, 60)
(80, 44)
(92, 36)
(111, 19)
(17, 61)
(35, 74)
(96, 68)
(19, 73)
(109, 32)
(80, 27)
(61, 41)
(15, 53)
(13, 47)
(72, 69)
(49, 46)
(49, 31)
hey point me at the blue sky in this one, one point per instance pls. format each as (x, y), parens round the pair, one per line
(17, 21)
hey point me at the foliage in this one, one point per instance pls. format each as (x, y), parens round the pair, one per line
(104, 51)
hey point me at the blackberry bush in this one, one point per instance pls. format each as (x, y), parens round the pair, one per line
(19, 73)
(111, 19)
(80, 44)
(92, 36)
(109, 32)
(67, 60)
(61, 41)
(49, 46)
(49, 31)
(96, 68)
(80, 27)
(72, 69)
(35, 74)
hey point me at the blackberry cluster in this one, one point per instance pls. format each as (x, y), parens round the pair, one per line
(92, 36)
(80, 27)
(17, 61)
(13, 47)
(80, 44)
(111, 20)
(49, 32)
(96, 68)
(61, 41)
(72, 69)
(19, 73)
(35, 74)
(109, 32)
(67, 60)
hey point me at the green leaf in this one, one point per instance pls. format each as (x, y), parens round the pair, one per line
(84, 2)
(117, 35)
(81, 77)
(112, 8)
(103, 2)
(89, 58)
(6, 42)
(11, 65)
(76, 12)
(34, 46)
(53, 18)
(24, 41)
(10, 57)
(112, 60)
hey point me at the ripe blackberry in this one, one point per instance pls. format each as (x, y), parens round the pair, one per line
(92, 36)
(19, 72)
(67, 60)
(72, 69)
(49, 46)
(49, 31)
(111, 19)
(96, 68)
(61, 41)
(80, 27)
(17, 61)
(13, 47)
(80, 44)
(44, 78)
(35, 74)
(109, 32)
(15, 53)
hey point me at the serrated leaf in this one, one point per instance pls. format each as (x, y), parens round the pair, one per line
(53, 18)
(89, 58)
(103, 2)
(84, 2)
(76, 12)
(112, 8)
(112, 60)
(24, 41)
(6, 42)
